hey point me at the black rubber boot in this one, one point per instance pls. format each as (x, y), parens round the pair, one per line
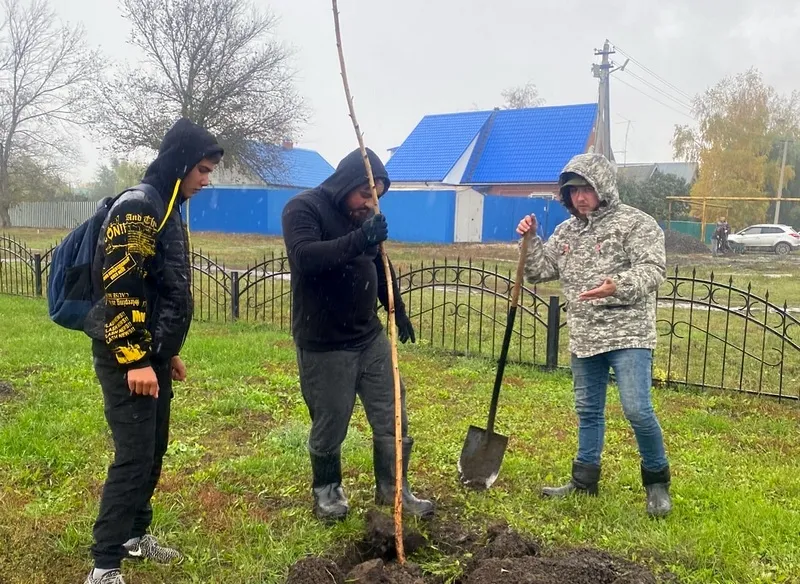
(585, 478)
(383, 459)
(656, 484)
(330, 503)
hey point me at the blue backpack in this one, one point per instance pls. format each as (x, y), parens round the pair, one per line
(70, 295)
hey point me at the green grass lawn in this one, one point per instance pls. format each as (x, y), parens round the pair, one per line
(235, 492)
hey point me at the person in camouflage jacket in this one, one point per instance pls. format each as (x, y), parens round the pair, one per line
(610, 261)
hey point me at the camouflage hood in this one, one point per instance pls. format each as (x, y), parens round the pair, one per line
(598, 172)
(614, 242)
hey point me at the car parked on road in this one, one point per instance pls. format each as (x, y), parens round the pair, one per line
(780, 239)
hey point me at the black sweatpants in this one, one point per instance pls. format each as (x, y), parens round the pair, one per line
(140, 428)
(330, 381)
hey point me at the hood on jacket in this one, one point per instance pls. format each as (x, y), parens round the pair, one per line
(351, 174)
(183, 146)
(596, 170)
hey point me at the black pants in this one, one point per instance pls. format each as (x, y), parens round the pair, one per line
(140, 428)
(331, 380)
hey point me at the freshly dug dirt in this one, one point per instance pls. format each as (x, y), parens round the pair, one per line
(501, 556)
(568, 567)
(315, 571)
(680, 243)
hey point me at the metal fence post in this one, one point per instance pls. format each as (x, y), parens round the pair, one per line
(234, 294)
(553, 329)
(37, 273)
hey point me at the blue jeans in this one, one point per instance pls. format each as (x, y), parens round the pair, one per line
(633, 371)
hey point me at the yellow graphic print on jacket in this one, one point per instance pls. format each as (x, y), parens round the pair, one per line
(130, 242)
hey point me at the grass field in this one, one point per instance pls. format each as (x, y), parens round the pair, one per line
(235, 493)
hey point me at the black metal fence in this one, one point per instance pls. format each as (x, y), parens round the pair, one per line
(711, 333)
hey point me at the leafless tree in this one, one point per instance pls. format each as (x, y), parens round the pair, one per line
(213, 61)
(521, 97)
(45, 68)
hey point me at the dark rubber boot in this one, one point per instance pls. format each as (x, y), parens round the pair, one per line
(330, 503)
(585, 478)
(383, 460)
(656, 484)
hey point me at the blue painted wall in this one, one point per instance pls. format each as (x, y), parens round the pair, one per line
(501, 215)
(414, 216)
(420, 216)
(239, 209)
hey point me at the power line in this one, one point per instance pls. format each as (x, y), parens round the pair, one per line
(653, 73)
(659, 90)
(655, 99)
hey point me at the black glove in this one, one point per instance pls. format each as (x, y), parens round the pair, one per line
(404, 329)
(375, 229)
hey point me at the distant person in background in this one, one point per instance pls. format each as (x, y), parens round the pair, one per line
(721, 235)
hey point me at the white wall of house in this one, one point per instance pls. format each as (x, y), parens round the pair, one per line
(457, 172)
(469, 216)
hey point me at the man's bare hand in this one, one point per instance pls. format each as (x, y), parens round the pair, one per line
(528, 222)
(604, 290)
(178, 369)
(143, 381)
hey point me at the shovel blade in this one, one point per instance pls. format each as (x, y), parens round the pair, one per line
(481, 457)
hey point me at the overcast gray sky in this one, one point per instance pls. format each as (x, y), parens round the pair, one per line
(414, 57)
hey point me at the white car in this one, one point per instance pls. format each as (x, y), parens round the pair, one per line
(767, 237)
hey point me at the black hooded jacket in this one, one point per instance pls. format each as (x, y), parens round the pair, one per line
(143, 276)
(336, 276)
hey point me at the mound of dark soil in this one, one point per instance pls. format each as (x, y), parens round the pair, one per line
(676, 242)
(315, 571)
(567, 567)
(502, 556)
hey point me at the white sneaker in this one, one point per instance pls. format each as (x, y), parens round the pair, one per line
(112, 577)
(148, 549)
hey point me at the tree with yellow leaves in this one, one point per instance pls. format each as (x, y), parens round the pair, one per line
(741, 121)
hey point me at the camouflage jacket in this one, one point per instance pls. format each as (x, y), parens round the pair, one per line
(616, 241)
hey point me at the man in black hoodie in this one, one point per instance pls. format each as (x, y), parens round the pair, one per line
(143, 276)
(331, 234)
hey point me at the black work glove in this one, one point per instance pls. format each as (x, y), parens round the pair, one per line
(375, 229)
(404, 329)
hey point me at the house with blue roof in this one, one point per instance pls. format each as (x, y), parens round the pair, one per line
(491, 167)
(251, 201)
(278, 166)
(499, 152)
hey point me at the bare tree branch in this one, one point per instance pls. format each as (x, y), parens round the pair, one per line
(45, 72)
(522, 97)
(213, 61)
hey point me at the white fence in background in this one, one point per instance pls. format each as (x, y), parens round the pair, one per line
(55, 215)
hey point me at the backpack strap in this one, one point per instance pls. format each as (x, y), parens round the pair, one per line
(171, 204)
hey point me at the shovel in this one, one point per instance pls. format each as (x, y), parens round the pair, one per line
(483, 450)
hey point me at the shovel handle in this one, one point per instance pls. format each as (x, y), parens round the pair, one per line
(512, 315)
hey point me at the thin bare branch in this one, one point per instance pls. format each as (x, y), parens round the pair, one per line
(214, 61)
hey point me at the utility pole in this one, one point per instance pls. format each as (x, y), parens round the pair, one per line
(603, 72)
(776, 219)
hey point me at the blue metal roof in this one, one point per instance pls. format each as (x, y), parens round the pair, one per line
(516, 146)
(533, 145)
(298, 168)
(435, 145)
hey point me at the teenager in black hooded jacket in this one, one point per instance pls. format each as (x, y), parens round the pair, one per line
(143, 276)
(331, 235)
